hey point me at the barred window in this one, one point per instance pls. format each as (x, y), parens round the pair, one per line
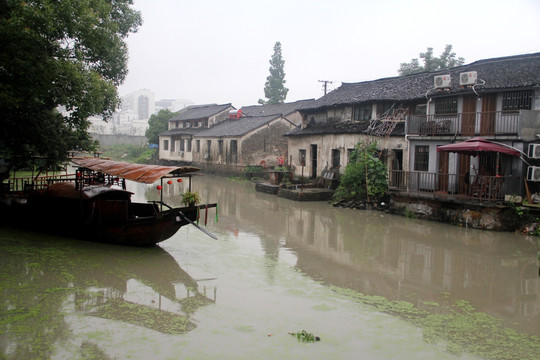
(421, 158)
(517, 100)
(446, 105)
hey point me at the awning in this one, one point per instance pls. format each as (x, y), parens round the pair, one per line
(477, 145)
(147, 174)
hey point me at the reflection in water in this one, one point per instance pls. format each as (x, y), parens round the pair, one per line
(391, 256)
(46, 279)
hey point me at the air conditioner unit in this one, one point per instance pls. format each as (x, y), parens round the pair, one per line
(533, 173)
(534, 151)
(181, 153)
(442, 81)
(468, 78)
(206, 156)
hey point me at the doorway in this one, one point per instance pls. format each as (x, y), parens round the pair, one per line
(313, 161)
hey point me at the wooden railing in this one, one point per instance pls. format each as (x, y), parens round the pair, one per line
(482, 187)
(464, 124)
(25, 184)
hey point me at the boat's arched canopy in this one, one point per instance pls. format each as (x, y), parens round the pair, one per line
(147, 174)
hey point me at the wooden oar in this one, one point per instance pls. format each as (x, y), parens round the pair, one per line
(197, 226)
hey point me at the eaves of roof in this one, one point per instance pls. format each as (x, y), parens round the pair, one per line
(198, 112)
(237, 127)
(181, 131)
(341, 128)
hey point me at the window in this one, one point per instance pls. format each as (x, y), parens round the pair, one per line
(198, 146)
(173, 143)
(234, 147)
(421, 158)
(517, 100)
(208, 145)
(166, 145)
(302, 157)
(188, 145)
(220, 147)
(446, 105)
(361, 112)
(182, 145)
(336, 155)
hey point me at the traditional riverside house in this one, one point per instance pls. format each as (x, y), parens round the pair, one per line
(355, 112)
(240, 141)
(496, 100)
(175, 144)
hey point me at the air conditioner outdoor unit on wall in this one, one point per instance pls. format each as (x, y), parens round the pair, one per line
(534, 151)
(468, 78)
(442, 81)
(533, 173)
(205, 156)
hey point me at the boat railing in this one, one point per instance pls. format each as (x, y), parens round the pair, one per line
(26, 184)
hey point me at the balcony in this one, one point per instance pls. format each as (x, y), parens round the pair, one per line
(465, 124)
(459, 188)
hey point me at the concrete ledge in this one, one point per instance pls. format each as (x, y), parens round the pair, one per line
(307, 194)
(266, 188)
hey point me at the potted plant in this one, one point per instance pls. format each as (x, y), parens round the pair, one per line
(191, 198)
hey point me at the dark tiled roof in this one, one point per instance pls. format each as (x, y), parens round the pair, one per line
(341, 127)
(275, 109)
(236, 127)
(196, 112)
(521, 71)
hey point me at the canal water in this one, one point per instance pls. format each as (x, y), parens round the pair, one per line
(369, 285)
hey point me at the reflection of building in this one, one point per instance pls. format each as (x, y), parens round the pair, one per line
(405, 262)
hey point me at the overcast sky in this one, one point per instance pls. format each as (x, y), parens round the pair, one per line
(218, 51)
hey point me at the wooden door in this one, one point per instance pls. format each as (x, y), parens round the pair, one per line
(314, 161)
(464, 174)
(487, 122)
(443, 171)
(468, 118)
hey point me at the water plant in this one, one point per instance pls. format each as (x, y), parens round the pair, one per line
(457, 324)
(304, 336)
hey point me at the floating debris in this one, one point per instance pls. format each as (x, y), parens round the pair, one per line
(304, 336)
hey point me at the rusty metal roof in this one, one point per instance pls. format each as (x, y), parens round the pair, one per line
(147, 174)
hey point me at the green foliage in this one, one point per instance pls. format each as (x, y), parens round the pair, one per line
(59, 54)
(365, 176)
(446, 60)
(304, 336)
(129, 153)
(274, 88)
(158, 123)
(190, 198)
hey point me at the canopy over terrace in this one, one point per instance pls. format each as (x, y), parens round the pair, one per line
(477, 145)
(147, 174)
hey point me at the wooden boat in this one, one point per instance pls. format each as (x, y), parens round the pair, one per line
(95, 205)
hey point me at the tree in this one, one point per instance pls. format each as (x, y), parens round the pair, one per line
(365, 176)
(446, 60)
(274, 88)
(158, 123)
(61, 62)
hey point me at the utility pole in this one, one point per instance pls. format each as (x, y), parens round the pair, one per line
(326, 82)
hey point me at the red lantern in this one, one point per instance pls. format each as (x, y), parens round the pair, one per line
(169, 182)
(159, 187)
(179, 180)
